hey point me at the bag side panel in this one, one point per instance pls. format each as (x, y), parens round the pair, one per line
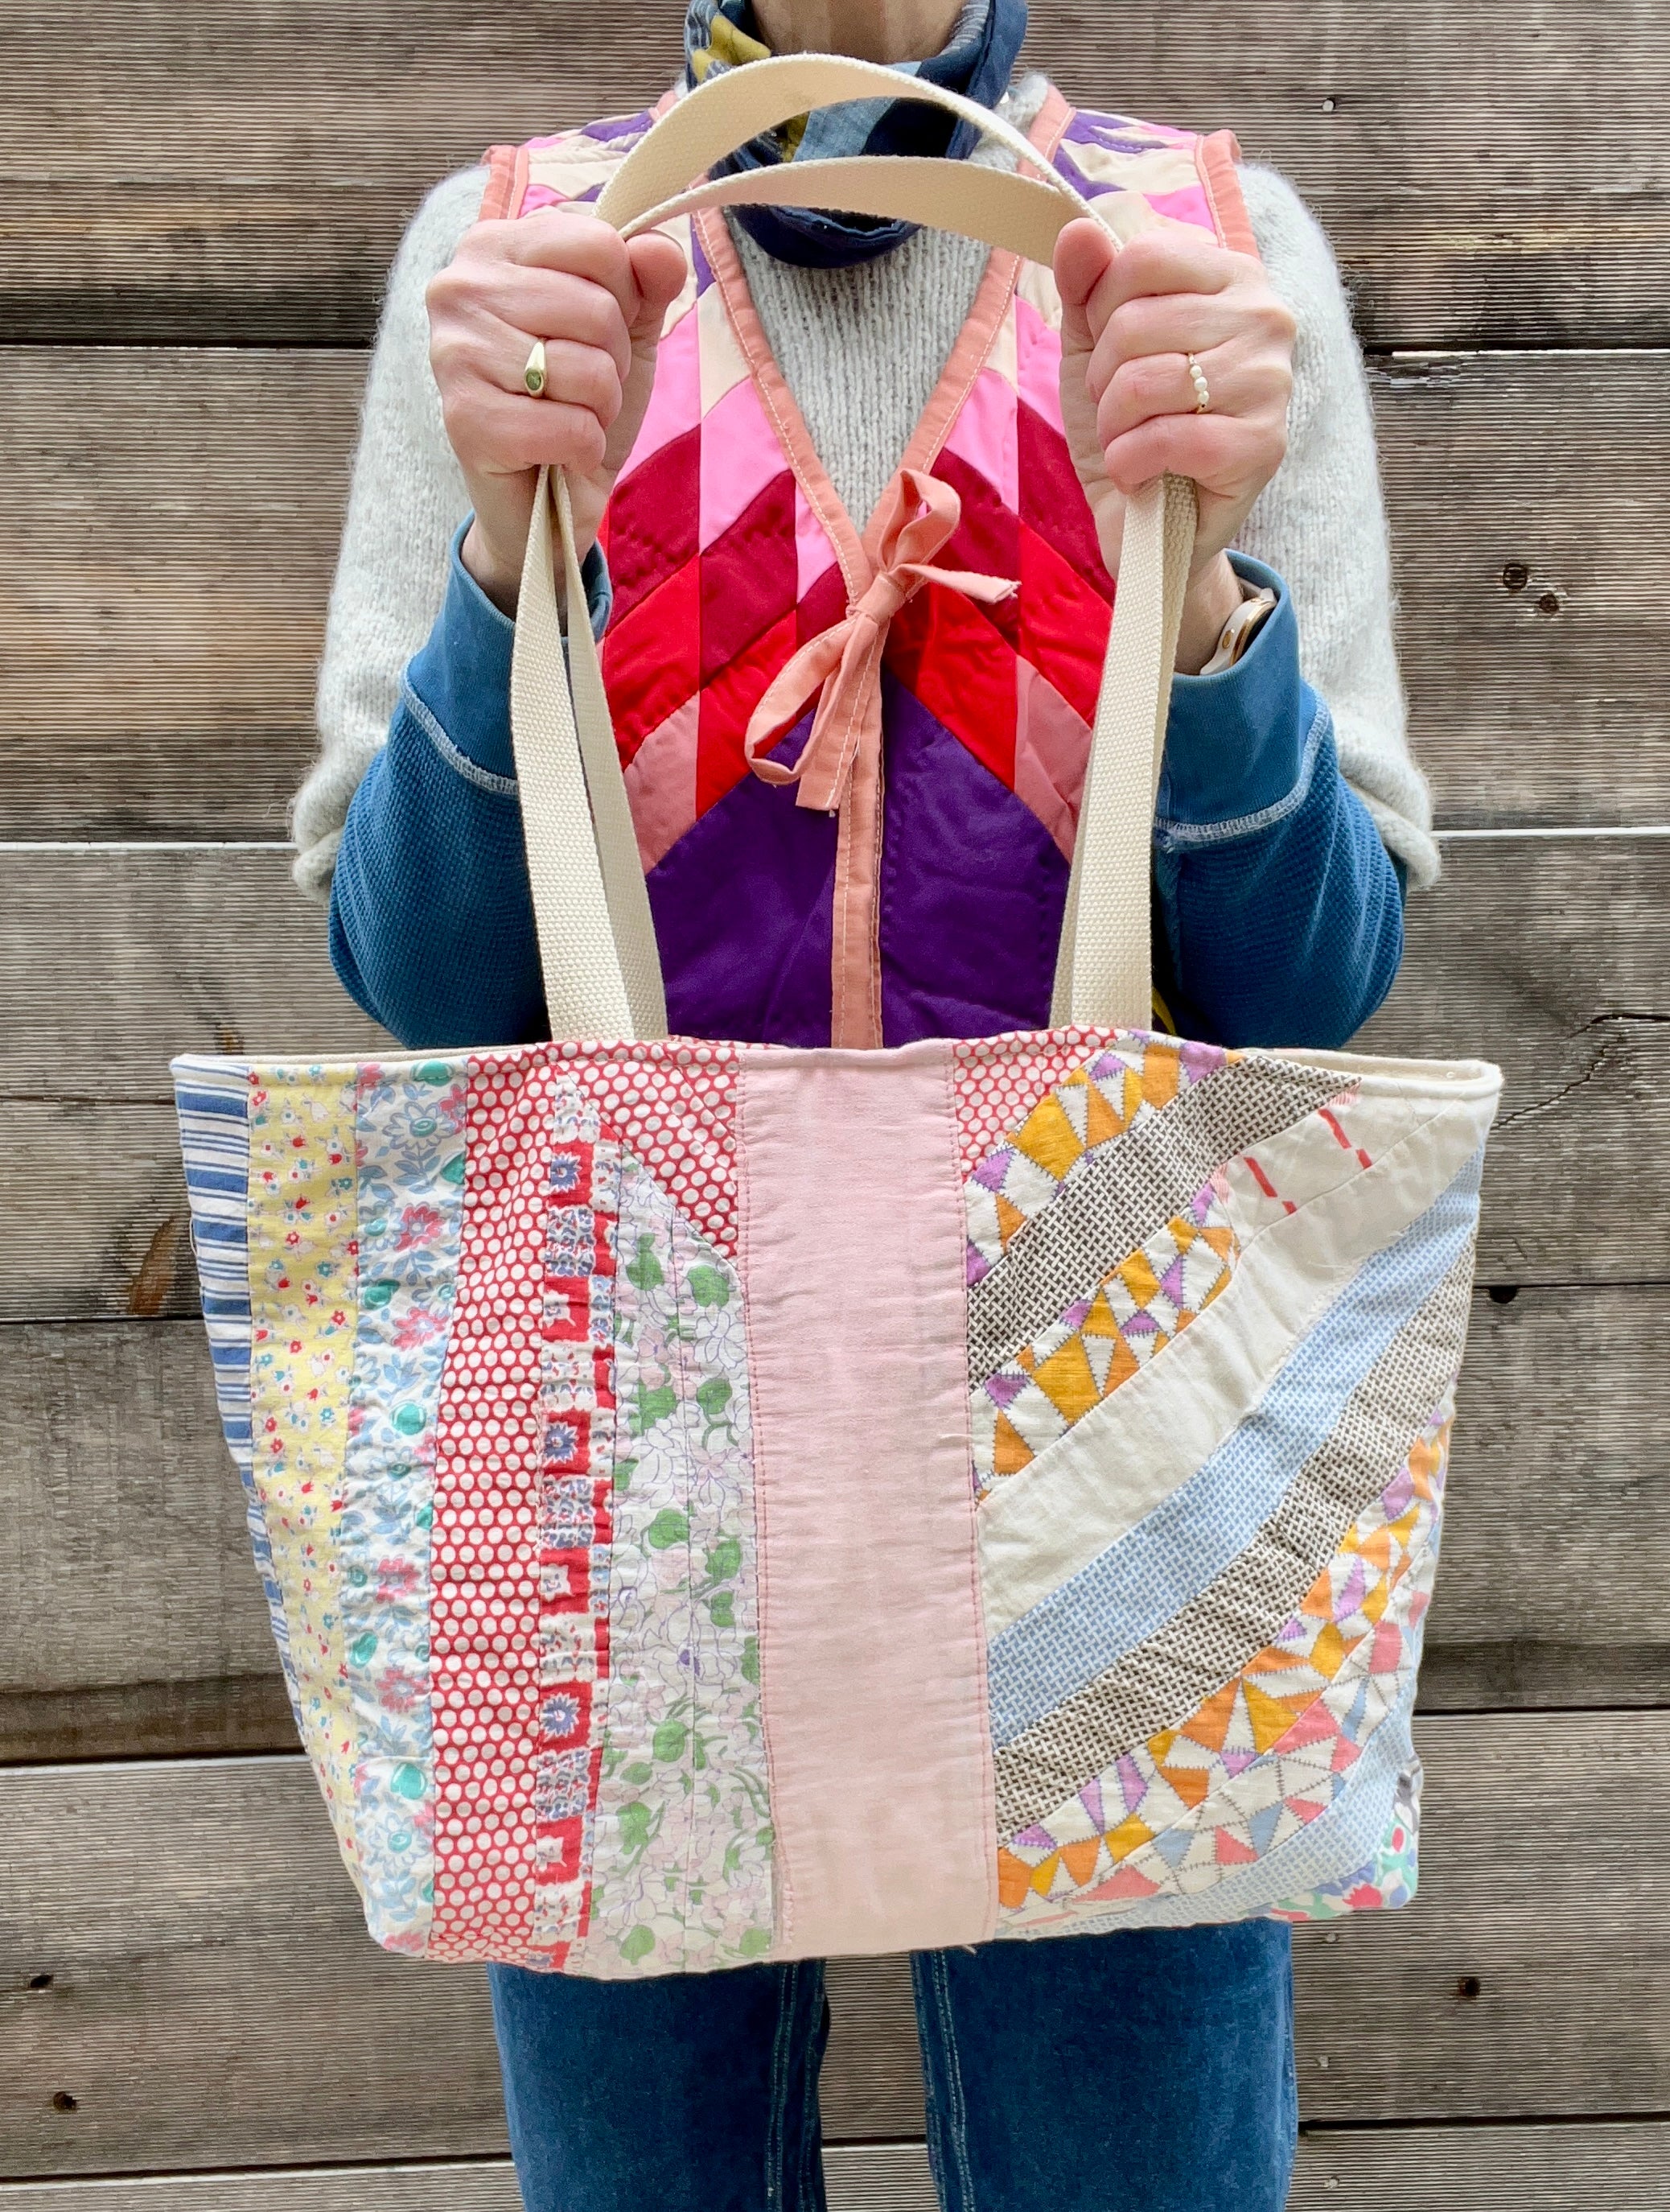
(1202, 1664)
(303, 1294)
(409, 1164)
(211, 1098)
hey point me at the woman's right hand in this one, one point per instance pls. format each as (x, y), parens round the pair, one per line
(598, 302)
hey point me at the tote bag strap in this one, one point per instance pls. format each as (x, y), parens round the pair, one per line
(596, 933)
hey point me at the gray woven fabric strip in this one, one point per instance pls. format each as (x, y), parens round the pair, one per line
(1170, 1676)
(1116, 1197)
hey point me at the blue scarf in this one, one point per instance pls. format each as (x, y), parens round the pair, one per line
(720, 34)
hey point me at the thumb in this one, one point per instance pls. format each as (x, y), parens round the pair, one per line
(1085, 253)
(659, 271)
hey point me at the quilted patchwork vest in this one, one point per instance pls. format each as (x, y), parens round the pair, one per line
(933, 891)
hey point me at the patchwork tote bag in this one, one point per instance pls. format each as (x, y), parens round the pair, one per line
(721, 1502)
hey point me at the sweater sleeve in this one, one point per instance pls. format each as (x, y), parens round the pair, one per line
(1279, 911)
(406, 495)
(1321, 523)
(431, 917)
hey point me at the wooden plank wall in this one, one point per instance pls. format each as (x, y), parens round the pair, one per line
(197, 214)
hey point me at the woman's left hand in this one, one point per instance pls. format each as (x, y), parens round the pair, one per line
(1132, 315)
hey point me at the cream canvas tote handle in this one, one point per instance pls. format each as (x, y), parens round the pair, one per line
(597, 936)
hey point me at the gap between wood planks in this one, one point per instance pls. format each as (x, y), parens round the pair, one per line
(893, 2171)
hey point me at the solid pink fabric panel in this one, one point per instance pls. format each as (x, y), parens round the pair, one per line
(852, 1255)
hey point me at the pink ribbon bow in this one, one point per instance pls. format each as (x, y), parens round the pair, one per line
(839, 765)
(846, 658)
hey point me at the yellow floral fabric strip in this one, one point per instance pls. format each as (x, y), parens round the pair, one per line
(303, 1290)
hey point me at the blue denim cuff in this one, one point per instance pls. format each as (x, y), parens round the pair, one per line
(457, 683)
(1238, 745)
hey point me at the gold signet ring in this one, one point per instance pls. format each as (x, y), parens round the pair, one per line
(534, 374)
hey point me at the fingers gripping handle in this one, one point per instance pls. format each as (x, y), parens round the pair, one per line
(597, 937)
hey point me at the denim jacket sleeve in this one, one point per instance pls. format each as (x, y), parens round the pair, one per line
(1279, 912)
(431, 920)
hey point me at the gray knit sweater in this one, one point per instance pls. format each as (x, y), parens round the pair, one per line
(861, 349)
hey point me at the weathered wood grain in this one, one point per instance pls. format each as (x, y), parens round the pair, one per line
(154, 1912)
(112, 961)
(1497, 465)
(479, 2185)
(130, 1621)
(211, 1716)
(1540, 954)
(858, 2178)
(1615, 2167)
(98, 1221)
(1552, 955)
(255, 189)
(194, 1914)
(175, 517)
(160, 632)
(1610, 2166)
(1509, 1972)
(1558, 1497)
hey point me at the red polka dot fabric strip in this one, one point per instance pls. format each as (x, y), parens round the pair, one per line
(484, 1603)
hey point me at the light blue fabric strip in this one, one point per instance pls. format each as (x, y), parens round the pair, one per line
(1130, 1591)
(409, 1147)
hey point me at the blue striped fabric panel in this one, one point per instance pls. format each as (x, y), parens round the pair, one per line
(211, 1097)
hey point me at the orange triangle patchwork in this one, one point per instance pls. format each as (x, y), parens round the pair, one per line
(1067, 1381)
(1269, 1717)
(1376, 1548)
(1044, 1873)
(1130, 1836)
(1426, 1457)
(1190, 1783)
(1049, 1137)
(1161, 1070)
(1010, 1218)
(1010, 1451)
(1014, 1880)
(1211, 1724)
(1318, 1599)
(1122, 1366)
(1100, 1122)
(1329, 1652)
(1080, 1859)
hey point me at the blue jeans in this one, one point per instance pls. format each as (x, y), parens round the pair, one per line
(1149, 2067)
